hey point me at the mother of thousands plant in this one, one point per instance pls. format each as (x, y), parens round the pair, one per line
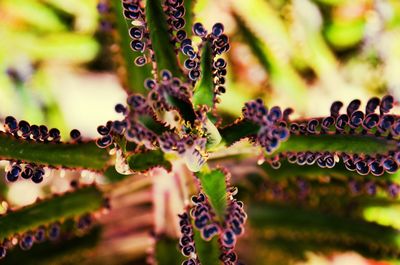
(174, 72)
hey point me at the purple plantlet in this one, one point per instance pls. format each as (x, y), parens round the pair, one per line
(353, 106)
(104, 141)
(217, 29)
(11, 124)
(53, 232)
(372, 104)
(3, 252)
(26, 242)
(28, 171)
(199, 30)
(75, 135)
(38, 174)
(40, 235)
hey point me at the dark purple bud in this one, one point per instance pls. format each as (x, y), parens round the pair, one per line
(341, 122)
(166, 75)
(137, 45)
(370, 188)
(187, 250)
(372, 104)
(181, 35)
(376, 168)
(35, 132)
(103, 130)
(104, 141)
(353, 106)
(194, 74)
(136, 33)
(386, 104)
(335, 108)
(362, 167)
(393, 190)
(370, 121)
(54, 133)
(355, 187)
(38, 174)
(28, 172)
(217, 29)
(390, 165)
(149, 84)
(189, 64)
(327, 122)
(228, 238)
(3, 252)
(54, 232)
(312, 126)
(11, 124)
(349, 164)
(356, 119)
(209, 231)
(220, 63)
(274, 114)
(386, 122)
(26, 242)
(199, 30)
(179, 23)
(75, 135)
(140, 60)
(24, 127)
(40, 235)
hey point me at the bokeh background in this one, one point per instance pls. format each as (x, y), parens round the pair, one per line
(56, 69)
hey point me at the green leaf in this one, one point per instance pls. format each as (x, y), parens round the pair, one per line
(167, 252)
(81, 155)
(354, 144)
(349, 143)
(207, 251)
(294, 222)
(68, 251)
(204, 91)
(213, 184)
(291, 171)
(164, 50)
(66, 206)
(235, 132)
(147, 160)
(135, 76)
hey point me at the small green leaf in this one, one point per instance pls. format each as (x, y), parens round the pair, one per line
(204, 91)
(164, 50)
(147, 160)
(80, 155)
(214, 186)
(207, 251)
(352, 144)
(68, 205)
(237, 131)
(167, 252)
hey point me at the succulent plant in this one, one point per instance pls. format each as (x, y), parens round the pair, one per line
(310, 181)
